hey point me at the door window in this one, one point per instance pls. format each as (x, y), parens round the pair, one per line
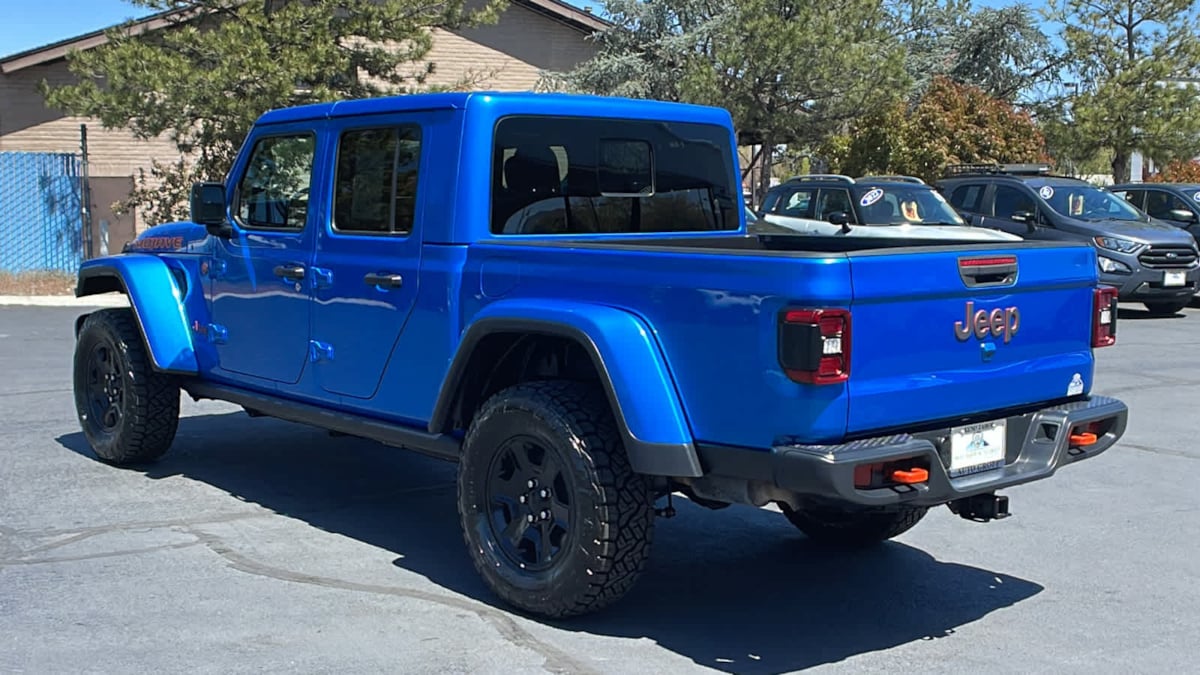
(273, 192)
(1160, 203)
(1134, 197)
(797, 204)
(376, 187)
(967, 198)
(1010, 200)
(832, 201)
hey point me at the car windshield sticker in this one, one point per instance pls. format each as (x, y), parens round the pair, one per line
(1196, 196)
(910, 211)
(1046, 192)
(871, 197)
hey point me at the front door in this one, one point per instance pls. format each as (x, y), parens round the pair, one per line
(368, 261)
(260, 275)
(1009, 200)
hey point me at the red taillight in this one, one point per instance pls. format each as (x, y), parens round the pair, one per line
(814, 345)
(1104, 316)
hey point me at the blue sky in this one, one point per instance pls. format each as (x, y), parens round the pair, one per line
(25, 24)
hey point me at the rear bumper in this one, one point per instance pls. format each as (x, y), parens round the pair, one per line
(1037, 446)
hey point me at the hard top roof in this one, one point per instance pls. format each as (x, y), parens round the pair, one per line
(506, 103)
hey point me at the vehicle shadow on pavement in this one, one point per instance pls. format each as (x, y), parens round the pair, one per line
(737, 590)
(1132, 314)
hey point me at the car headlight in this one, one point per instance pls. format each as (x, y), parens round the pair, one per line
(1117, 244)
(1110, 265)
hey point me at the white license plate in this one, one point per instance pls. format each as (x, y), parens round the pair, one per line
(1178, 278)
(977, 447)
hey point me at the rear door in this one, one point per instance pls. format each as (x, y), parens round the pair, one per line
(366, 270)
(945, 332)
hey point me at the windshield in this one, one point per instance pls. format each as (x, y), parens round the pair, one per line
(905, 205)
(1085, 202)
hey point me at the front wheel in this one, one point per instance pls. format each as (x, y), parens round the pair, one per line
(128, 411)
(555, 520)
(1167, 307)
(852, 527)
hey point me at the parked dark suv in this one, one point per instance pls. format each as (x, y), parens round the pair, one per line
(1176, 204)
(1147, 260)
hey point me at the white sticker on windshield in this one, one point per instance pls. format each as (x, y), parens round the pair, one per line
(1076, 385)
(871, 197)
(1046, 192)
(1196, 196)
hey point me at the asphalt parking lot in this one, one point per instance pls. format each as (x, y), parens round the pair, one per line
(258, 545)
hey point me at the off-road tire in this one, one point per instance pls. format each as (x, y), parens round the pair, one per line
(853, 527)
(1167, 307)
(140, 424)
(611, 507)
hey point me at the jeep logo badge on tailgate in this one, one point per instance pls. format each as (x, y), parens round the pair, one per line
(1000, 323)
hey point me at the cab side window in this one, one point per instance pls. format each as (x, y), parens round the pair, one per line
(273, 191)
(376, 186)
(1010, 200)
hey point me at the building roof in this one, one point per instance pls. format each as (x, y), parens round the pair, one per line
(574, 17)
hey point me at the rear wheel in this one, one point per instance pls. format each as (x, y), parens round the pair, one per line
(555, 520)
(1168, 307)
(128, 411)
(849, 526)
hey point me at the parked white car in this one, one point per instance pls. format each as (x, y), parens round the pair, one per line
(895, 207)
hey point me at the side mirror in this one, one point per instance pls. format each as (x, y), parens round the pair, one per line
(1182, 215)
(841, 219)
(208, 208)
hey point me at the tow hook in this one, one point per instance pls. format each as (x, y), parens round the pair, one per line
(981, 508)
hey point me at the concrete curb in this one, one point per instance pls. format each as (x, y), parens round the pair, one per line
(101, 300)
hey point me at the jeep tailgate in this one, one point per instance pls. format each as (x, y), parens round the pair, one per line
(921, 349)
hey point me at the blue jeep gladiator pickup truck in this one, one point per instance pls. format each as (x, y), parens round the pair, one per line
(559, 293)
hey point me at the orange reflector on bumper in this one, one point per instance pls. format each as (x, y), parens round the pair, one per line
(914, 475)
(1078, 440)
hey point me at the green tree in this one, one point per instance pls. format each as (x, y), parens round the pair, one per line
(1002, 51)
(1126, 58)
(951, 123)
(203, 80)
(788, 72)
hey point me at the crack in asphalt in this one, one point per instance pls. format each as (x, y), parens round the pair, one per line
(1159, 451)
(5, 394)
(183, 524)
(97, 556)
(556, 661)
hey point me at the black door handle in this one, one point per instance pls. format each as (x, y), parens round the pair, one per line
(384, 280)
(292, 272)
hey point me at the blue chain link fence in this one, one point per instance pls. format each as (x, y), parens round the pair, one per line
(41, 221)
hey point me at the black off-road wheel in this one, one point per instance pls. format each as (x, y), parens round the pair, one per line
(128, 411)
(1167, 307)
(853, 527)
(555, 520)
